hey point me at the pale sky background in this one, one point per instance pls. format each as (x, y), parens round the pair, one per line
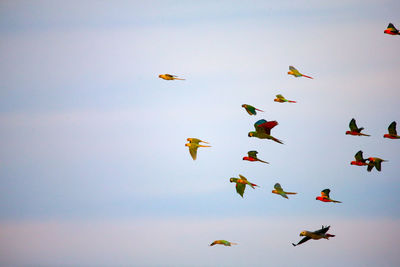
(93, 167)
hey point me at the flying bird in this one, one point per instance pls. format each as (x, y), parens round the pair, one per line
(321, 233)
(252, 156)
(250, 109)
(281, 99)
(169, 77)
(194, 145)
(375, 162)
(325, 197)
(354, 130)
(293, 71)
(241, 183)
(391, 30)
(263, 130)
(392, 132)
(222, 242)
(360, 161)
(279, 191)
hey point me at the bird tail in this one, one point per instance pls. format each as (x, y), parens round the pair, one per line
(294, 244)
(203, 146)
(364, 134)
(329, 235)
(290, 193)
(307, 76)
(253, 185)
(179, 79)
(262, 161)
(335, 201)
(259, 109)
(290, 101)
(277, 140)
(233, 243)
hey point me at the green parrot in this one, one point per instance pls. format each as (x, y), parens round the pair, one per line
(375, 162)
(279, 191)
(263, 130)
(250, 109)
(293, 71)
(222, 242)
(241, 183)
(281, 99)
(194, 145)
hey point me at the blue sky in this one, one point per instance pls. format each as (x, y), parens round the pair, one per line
(93, 141)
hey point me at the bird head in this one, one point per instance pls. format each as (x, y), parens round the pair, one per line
(244, 158)
(353, 163)
(187, 144)
(159, 76)
(231, 180)
(303, 233)
(251, 134)
(244, 106)
(290, 72)
(371, 159)
(348, 132)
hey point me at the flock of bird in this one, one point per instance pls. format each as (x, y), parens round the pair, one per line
(263, 131)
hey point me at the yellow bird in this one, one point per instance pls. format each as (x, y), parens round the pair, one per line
(169, 77)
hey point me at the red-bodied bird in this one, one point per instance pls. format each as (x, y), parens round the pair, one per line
(252, 156)
(392, 132)
(360, 161)
(354, 130)
(391, 30)
(375, 162)
(325, 197)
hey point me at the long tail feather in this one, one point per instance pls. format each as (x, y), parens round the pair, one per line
(259, 109)
(290, 193)
(233, 243)
(290, 101)
(203, 146)
(179, 79)
(263, 161)
(307, 76)
(335, 201)
(277, 140)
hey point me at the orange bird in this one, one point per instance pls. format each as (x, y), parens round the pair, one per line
(391, 30)
(325, 197)
(392, 132)
(360, 161)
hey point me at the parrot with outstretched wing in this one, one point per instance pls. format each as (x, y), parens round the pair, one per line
(169, 77)
(354, 130)
(222, 242)
(293, 71)
(241, 183)
(391, 29)
(321, 233)
(252, 156)
(360, 161)
(263, 130)
(392, 132)
(250, 109)
(279, 191)
(281, 99)
(325, 197)
(375, 162)
(194, 145)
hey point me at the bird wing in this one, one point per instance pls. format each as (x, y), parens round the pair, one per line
(280, 97)
(305, 239)
(323, 230)
(391, 26)
(278, 187)
(371, 165)
(325, 193)
(378, 164)
(392, 128)
(242, 177)
(170, 75)
(294, 70)
(240, 188)
(252, 154)
(193, 152)
(263, 126)
(359, 156)
(353, 125)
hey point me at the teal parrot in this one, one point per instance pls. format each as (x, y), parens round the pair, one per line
(194, 145)
(263, 130)
(241, 183)
(279, 191)
(250, 109)
(222, 242)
